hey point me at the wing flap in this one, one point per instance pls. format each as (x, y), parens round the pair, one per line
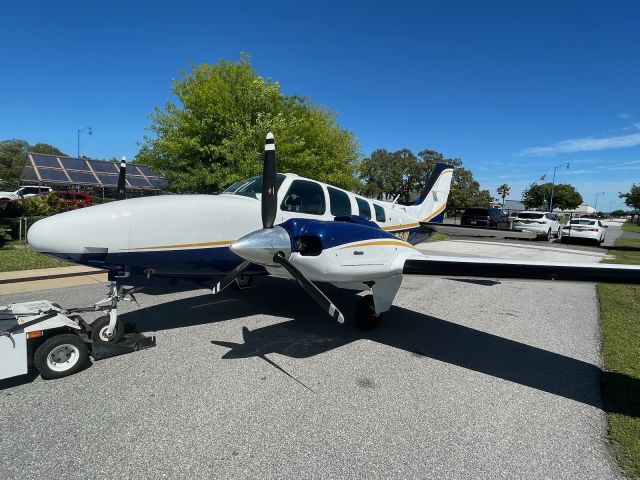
(496, 268)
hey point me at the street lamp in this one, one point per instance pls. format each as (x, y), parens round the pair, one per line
(595, 205)
(553, 183)
(80, 130)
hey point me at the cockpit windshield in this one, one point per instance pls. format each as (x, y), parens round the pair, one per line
(251, 187)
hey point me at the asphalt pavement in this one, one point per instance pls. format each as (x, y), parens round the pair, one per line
(462, 379)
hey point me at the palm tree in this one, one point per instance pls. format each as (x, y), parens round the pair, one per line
(503, 191)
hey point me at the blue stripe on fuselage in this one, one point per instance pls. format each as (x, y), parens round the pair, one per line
(192, 262)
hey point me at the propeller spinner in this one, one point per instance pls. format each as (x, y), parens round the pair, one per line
(271, 246)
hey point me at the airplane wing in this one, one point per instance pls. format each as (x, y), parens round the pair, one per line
(496, 268)
(463, 230)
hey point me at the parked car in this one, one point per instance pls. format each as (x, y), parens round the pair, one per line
(22, 192)
(484, 217)
(75, 197)
(584, 228)
(544, 224)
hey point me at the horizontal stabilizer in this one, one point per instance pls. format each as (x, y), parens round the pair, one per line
(464, 231)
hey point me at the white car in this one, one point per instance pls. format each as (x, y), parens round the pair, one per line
(584, 228)
(544, 224)
(22, 192)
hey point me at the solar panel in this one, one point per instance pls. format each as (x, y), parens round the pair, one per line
(68, 170)
(106, 179)
(137, 182)
(45, 160)
(146, 171)
(105, 167)
(75, 164)
(29, 174)
(82, 177)
(158, 182)
(53, 175)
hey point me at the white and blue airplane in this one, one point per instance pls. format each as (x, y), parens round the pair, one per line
(284, 225)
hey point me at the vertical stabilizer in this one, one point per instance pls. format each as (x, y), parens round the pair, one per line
(432, 201)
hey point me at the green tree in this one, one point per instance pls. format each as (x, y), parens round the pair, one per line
(214, 135)
(503, 191)
(46, 149)
(632, 198)
(12, 154)
(394, 173)
(565, 196)
(465, 190)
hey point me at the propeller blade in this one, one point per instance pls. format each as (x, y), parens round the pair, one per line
(230, 277)
(310, 288)
(120, 194)
(269, 187)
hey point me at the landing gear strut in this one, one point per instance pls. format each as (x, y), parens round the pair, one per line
(366, 316)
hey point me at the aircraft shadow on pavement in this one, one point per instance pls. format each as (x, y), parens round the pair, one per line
(311, 332)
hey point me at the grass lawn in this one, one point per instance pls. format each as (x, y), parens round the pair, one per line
(437, 237)
(630, 227)
(620, 325)
(13, 259)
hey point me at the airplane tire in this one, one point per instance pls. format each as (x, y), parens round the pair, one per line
(243, 281)
(366, 317)
(60, 356)
(99, 328)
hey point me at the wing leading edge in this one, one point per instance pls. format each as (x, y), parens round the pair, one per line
(474, 267)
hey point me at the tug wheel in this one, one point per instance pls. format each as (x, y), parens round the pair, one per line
(366, 317)
(60, 356)
(99, 330)
(243, 281)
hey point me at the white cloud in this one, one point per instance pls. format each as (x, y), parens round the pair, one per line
(624, 116)
(585, 145)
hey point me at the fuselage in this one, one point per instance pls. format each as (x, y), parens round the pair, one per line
(190, 235)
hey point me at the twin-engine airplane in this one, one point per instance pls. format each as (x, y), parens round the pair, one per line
(311, 232)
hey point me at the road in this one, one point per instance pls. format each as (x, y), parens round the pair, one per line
(461, 380)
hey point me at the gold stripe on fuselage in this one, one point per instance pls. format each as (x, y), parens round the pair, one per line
(222, 243)
(395, 243)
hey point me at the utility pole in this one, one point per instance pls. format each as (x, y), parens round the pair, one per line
(80, 130)
(553, 184)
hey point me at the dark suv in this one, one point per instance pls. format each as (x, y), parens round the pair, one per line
(484, 217)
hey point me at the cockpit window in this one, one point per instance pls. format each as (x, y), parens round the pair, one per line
(252, 187)
(304, 197)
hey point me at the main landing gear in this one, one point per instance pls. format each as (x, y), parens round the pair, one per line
(366, 316)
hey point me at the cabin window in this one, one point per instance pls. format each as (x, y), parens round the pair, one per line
(380, 215)
(339, 201)
(304, 197)
(363, 208)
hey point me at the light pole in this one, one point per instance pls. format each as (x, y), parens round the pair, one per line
(595, 205)
(80, 130)
(553, 184)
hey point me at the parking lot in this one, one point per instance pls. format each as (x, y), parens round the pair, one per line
(463, 379)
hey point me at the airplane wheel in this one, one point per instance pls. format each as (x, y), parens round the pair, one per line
(243, 281)
(366, 317)
(99, 330)
(60, 356)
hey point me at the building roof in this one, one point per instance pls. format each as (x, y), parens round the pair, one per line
(40, 168)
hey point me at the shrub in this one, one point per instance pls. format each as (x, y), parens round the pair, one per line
(5, 235)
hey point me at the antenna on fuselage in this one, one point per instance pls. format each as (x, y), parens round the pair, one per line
(120, 193)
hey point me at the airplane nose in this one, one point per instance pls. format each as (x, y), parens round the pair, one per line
(261, 246)
(39, 236)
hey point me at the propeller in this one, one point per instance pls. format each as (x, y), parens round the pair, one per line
(271, 246)
(120, 193)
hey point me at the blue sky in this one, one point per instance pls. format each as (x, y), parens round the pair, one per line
(511, 88)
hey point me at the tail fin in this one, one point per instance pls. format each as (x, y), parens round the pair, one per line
(432, 201)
